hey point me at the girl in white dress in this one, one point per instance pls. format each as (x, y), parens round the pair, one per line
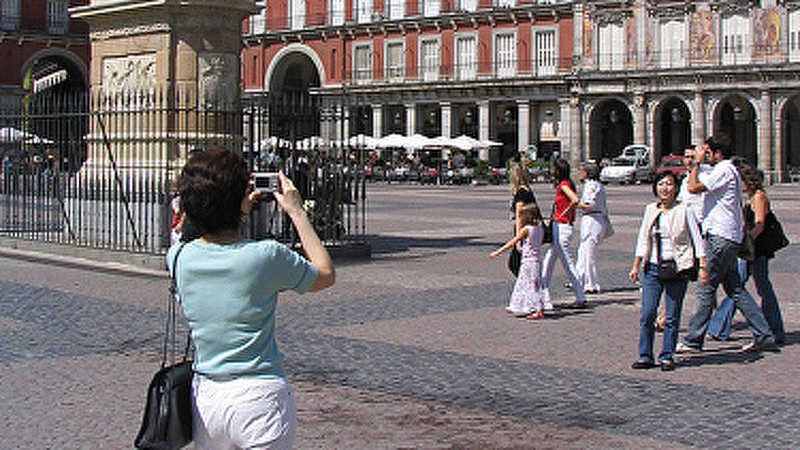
(527, 299)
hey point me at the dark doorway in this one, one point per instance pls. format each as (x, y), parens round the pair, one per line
(736, 118)
(293, 112)
(791, 140)
(674, 130)
(610, 129)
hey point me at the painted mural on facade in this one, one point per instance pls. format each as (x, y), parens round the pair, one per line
(766, 33)
(631, 43)
(702, 39)
(588, 49)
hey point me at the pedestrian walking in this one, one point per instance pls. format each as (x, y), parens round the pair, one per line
(756, 214)
(722, 227)
(522, 195)
(228, 288)
(669, 240)
(562, 225)
(527, 298)
(592, 205)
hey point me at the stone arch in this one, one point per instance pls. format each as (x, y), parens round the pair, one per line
(292, 74)
(610, 128)
(736, 116)
(672, 129)
(49, 63)
(299, 54)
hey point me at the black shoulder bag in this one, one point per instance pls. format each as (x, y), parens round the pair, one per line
(167, 421)
(667, 268)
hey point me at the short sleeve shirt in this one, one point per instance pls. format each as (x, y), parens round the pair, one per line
(722, 203)
(228, 293)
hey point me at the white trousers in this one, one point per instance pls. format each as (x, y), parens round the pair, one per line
(592, 231)
(243, 413)
(559, 249)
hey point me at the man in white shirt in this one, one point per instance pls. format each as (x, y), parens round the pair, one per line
(692, 201)
(722, 227)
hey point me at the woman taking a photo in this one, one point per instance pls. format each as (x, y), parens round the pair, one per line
(668, 243)
(228, 289)
(562, 224)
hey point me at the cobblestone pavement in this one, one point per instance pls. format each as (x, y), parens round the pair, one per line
(412, 349)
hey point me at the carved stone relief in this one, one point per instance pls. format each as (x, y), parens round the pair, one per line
(217, 79)
(127, 74)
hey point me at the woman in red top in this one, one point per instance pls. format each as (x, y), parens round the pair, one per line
(563, 218)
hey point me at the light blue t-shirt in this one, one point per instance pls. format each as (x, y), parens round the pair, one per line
(228, 293)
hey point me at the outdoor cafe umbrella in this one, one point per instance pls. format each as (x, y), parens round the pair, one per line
(11, 135)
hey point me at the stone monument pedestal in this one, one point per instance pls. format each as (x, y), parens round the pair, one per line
(164, 79)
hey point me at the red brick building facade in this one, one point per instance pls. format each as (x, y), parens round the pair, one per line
(41, 48)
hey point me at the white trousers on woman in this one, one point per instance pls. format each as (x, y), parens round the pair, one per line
(559, 249)
(592, 229)
(243, 413)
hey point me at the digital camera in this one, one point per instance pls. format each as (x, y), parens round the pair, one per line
(265, 182)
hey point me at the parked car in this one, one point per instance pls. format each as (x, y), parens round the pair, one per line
(672, 163)
(627, 170)
(635, 151)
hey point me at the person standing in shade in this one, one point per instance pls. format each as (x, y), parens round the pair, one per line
(562, 223)
(592, 205)
(722, 227)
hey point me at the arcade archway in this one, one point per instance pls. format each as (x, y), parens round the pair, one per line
(294, 113)
(791, 139)
(610, 128)
(736, 117)
(673, 130)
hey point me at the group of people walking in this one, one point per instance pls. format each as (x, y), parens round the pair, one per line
(531, 295)
(693, 232)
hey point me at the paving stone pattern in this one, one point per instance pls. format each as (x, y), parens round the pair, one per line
(75, 324)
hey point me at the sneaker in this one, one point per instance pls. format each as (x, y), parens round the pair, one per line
(548, 306)
(754, 347)
(683, 348)
(567, 285)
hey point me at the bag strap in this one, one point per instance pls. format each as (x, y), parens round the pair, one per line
(657, 223)
(170, 333)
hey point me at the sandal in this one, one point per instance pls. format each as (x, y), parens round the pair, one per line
(535, 315)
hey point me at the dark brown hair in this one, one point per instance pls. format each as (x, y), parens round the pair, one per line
(212, 185)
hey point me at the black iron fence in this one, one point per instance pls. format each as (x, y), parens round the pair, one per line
(99, 170)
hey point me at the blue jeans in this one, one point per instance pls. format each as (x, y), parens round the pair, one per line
(721, 257)
(720, 324)
(652, 289)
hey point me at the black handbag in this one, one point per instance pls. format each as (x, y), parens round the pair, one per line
(514, 260)
(667, 268)
(772, 238)
(167, 421)
(547, 224)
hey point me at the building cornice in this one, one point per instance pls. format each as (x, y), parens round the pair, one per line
(452, 20)
(60, 40)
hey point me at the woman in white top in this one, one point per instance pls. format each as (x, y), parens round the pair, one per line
(592, 205)
(668, 232)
